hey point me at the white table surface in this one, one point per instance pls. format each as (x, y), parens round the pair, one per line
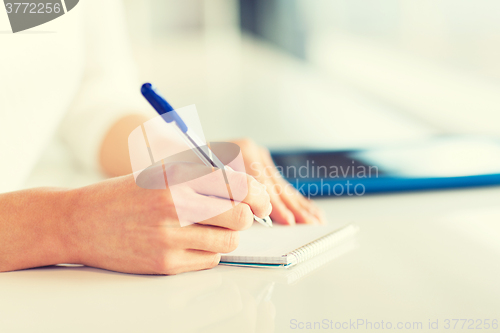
(418, 256)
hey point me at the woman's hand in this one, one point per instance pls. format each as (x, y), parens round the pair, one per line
(289, 206)
(120, 226)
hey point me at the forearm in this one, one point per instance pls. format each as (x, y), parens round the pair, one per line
(34, 228)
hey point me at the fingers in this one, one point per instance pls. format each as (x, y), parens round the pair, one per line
(240, 217)
(258, 199)
(197, 246)
(209, 238)
(214, 184)
(257, 196)
(301, 214)
(302, 209)
(314, 210)
(243, 188)
(192, 207)
(280, 213)
(180, 261)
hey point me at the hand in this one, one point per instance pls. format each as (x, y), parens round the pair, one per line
(289, 205)
(120, 226)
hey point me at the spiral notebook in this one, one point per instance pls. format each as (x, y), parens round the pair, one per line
(285, 245)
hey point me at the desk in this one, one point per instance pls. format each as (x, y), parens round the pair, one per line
(418, 256)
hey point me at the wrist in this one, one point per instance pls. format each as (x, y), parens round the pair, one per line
(33, 228)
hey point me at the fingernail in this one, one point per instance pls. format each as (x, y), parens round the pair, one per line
(290, 219)
(322, 216)
(314, 219)
(270, 209)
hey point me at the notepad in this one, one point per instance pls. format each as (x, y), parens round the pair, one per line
(285, 245)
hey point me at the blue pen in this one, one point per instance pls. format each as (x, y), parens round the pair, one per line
(167, 112)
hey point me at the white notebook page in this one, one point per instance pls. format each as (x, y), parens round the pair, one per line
(269, 245)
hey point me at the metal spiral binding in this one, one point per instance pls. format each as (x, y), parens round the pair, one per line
(321, 245)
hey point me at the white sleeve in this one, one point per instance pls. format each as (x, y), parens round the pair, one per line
(109, 89)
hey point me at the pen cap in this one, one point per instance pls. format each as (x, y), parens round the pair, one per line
(157, 102)
(164, 109)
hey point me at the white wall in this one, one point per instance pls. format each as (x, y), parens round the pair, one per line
(437, 60)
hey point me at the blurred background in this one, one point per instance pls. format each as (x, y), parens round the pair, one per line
(321, 74)
(324, 73)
